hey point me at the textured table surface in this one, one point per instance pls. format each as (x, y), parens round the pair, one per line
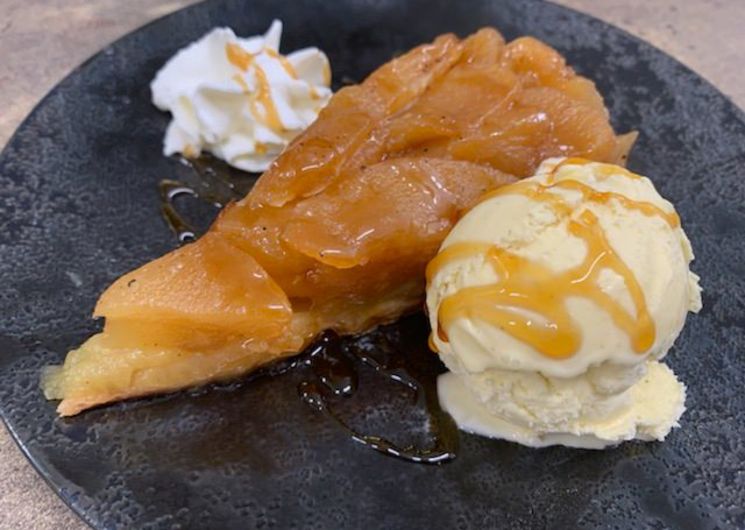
(42, 40)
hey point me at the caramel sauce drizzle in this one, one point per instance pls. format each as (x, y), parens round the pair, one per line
(282, 61)
(601, 169)
(293, 73)
(326, 74)
(528, 301)
(589, 194)
(238, 57)
(243, 60)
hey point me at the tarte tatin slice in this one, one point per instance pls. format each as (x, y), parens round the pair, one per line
(337, 233)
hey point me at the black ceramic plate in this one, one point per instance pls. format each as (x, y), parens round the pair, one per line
(80, 206)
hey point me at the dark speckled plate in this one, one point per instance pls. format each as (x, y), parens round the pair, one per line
(79, 206)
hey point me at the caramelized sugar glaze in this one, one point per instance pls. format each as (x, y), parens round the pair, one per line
(338, 232)
(525, 285)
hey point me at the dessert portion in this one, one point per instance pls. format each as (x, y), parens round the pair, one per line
(552, 303)
(338, 232)
(239, 98)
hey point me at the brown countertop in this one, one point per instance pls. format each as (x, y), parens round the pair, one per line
(42, 40)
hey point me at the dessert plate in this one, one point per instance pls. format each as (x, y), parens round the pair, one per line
(79, 206)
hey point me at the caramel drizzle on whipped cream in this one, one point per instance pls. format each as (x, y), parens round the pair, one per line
(244, 60)
(528, 301)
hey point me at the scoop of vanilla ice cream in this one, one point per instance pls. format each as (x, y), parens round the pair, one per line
(533, 410)
(239, 98)
(606, 391)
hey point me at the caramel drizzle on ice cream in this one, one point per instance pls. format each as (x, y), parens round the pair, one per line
(537, 192)
(528, 301)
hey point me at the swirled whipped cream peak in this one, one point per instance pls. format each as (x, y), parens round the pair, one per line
(239, 98)
(552, 302)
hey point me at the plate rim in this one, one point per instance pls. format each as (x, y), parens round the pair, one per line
(55, 480)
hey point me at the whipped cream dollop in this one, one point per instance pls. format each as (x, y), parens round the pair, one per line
(239, 98)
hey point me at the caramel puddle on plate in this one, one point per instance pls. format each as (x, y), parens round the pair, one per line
(212, 181)
(335, 364)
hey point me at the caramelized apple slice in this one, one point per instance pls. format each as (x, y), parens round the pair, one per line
(178, 319)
